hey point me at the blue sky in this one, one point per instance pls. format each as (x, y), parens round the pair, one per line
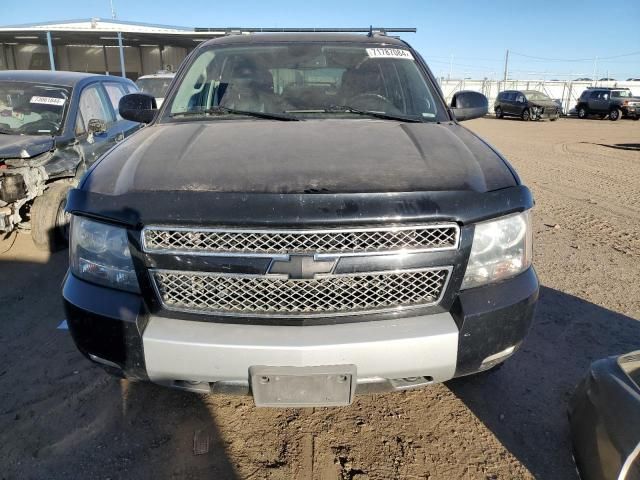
(468, 37)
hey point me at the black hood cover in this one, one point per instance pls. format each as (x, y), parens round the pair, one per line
(312, 156)
(24, 146)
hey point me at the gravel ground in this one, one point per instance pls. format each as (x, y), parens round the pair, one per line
(61, 417)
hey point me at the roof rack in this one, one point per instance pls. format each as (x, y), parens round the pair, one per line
(371, 30)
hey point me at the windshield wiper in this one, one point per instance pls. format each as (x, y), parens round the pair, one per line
(220, 110)
(371, 113)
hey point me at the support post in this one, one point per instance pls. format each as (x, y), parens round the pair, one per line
(160, 50)
(141, 61)
(52, 63)
(106, 60)
(13, 57)
(5, 59)
(121, 49)
(506, 67)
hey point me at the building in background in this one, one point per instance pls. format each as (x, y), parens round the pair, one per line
(99, 46)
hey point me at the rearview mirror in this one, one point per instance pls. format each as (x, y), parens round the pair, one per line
(138, 107)
(466, 105)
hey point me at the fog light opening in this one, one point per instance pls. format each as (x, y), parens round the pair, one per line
(410, 382)
(496, 358)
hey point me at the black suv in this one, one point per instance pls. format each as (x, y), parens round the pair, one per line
(526, 104)
(612, 103)
(303, 218)
(53, 126)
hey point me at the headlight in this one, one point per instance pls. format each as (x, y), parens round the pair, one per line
(501, 249)
(99, 253)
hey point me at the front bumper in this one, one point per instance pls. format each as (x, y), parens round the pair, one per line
(114, 329)
(545, 113)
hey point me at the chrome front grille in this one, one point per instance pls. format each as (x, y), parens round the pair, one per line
(279, 296)
(353, 241)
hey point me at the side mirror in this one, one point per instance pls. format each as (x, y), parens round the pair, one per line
(96, 126)
(138, 107)
(466, 105)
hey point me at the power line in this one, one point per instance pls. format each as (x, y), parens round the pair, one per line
(547, 59)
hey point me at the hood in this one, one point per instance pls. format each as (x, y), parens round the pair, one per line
(24, 146)
(312, 156)
(543, 103)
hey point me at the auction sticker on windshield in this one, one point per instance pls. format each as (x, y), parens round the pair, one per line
(47, 100)
(389, 53)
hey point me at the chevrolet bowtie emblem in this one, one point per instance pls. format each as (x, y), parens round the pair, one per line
(300, 267)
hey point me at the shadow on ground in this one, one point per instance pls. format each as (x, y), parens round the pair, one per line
(525, 402)
(61, 417)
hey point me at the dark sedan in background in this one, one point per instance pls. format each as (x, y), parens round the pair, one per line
(53, 126)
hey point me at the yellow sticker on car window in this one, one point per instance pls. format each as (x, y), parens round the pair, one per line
(389, 53)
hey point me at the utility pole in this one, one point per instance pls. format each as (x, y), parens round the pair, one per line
(595, 69)
(113, 10)
(506, 66)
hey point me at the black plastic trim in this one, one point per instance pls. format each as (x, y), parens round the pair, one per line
(186, 208)
(106, 323)
(493, 318)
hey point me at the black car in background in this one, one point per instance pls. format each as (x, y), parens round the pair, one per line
(526, 104)
(53, 126)
(611, 103)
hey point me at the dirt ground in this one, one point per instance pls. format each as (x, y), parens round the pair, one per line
(63, 418)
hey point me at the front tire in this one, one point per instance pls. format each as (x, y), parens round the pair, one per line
(526, 116)
(49, 221)
(582, 113)
(499, 113)
(615, 114)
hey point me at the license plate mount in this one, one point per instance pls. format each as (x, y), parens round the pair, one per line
(296, 387)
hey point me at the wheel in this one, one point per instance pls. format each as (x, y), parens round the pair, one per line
(499, 113)
(582, 112)
(526, 116)
(615, 114)
(49, 221)
(553, 119)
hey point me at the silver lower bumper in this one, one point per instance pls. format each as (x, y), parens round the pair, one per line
(390, 354)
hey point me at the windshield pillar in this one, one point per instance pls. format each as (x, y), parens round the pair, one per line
(121, 49)
(52, 63)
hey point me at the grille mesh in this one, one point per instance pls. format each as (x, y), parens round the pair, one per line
(297, 241)
(278, 296)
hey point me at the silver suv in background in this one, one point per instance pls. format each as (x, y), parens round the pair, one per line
(156, 84)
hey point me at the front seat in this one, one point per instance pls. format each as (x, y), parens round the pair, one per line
(247, 87)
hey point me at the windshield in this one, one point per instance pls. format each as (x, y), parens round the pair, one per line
(621, 93)
(306, 80)
(157, 86)
(534, 95)
(32, 109)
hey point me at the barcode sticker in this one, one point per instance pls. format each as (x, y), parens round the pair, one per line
(389, 53)
(48, 100)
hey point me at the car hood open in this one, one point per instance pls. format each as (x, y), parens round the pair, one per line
(312, 156)
(24, 146)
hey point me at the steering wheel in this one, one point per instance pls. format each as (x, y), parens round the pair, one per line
(42, 124)
(374, 96)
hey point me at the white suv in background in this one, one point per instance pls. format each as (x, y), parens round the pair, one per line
(156, 84)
